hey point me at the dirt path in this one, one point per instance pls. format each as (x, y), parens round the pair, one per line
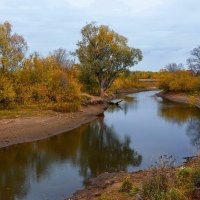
(26, 129)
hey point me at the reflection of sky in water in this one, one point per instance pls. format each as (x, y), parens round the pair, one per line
(60, 178)
(129, 137)
(151, 134)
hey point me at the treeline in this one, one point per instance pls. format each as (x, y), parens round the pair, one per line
(39, 80)
(176, 77)
(56, 81)
(180, 81)
(46, 81)
(173, 77)
(131, 80)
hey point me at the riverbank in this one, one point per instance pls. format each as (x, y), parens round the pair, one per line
(49, 123)
(80, 154)
(177, 97)
(107, 185)
(183, 180)
(27, 129)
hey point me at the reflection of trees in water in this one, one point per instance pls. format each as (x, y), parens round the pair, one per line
(21, 163)
(12, 176)
(102, 151)
(114, 108)
(193, 131)
(177, 113)
(182, 113)
(94, 148)
(124, 106)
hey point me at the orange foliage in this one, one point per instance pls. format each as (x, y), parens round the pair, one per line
(179, 81)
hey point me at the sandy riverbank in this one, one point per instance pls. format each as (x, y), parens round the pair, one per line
(176, 97)
(26, 129)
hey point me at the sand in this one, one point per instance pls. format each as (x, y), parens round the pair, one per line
(27, 129)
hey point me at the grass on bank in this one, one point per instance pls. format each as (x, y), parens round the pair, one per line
(162, 182)
(38, 109)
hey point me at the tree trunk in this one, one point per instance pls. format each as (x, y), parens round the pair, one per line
(102, 92)
(101, 84)
(3, 67)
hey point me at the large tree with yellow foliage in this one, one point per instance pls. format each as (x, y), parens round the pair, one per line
(105, 54)
(12, 48)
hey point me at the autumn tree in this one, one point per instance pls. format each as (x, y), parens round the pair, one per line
(43, 79)
(63, 58)
(104, 53)
(7, 93)
(51, 80)
(173, 67)
(194, 60)
(179, 81)
(12, 48)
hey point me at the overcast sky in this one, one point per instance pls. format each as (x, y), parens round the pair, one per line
(165, 30)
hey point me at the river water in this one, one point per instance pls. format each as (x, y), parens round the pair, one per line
(128, 138)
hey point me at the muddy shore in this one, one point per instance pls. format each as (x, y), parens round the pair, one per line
(107, 185)
(175, 96)
(27, 129)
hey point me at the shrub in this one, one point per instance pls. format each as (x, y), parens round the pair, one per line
(66, 107)
(174, 194)
(129, 81)
(179, 81)
(63, 86)
(89, 81)
(156, 186)
(126, 186)
(7, 93)
(23, 94)
(129, 188)
(43, 80)
(185, 181)
(184, 173)
(105, 197)
(159, 187)
(196, 178)
(135, 190)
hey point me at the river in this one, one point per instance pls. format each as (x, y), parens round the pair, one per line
(125, 138)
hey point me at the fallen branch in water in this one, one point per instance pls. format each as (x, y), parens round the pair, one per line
(115, 103)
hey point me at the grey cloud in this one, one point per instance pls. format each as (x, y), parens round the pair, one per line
(166, 31)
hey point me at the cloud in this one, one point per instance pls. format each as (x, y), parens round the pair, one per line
(141, 6)
(166, 31)
(78, 3)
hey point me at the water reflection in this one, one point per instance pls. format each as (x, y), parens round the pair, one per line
(102, 151)
(129, 103)
(177, 113)
(58, 166)
(20, 164)
(91, 149)
(193, 131)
